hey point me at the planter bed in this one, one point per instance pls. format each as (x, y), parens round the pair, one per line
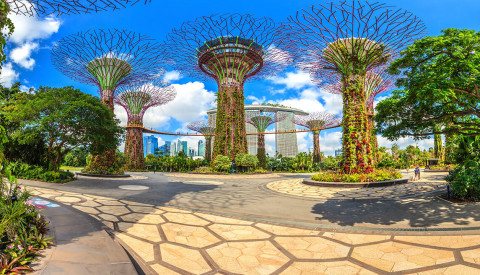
(103, 176)
(355, 184)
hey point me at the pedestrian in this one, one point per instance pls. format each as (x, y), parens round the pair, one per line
(417, 173)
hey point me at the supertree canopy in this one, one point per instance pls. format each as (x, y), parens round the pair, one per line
(109, 59)
(205, 128)
(56, 7)
(345, 40)
(261, 122)
(316, 121)
(230, 49)
(137, 99)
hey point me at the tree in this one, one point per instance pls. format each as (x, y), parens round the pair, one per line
(440, 88)
(6, 25)
(68, 119)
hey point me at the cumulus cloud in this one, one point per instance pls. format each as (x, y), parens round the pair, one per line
(293, 80)
(28, 28)
(171, 76)
(22, 55)
(8, 76)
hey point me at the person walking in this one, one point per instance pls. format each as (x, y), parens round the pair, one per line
(417, 173)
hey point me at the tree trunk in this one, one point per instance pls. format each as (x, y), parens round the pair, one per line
(262, 158)
(230, 133)
(208, 148)
(316, 147)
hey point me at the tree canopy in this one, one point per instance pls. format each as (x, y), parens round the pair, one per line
(440, 88)
(67, 119)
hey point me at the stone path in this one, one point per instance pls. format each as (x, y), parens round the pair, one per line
(171, 240)
(295, 188)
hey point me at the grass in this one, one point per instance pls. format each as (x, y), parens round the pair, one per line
(71, 168)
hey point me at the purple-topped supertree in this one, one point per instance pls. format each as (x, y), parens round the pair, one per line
(207, 129)
(109, 59)
(347, 39)
(261, 121)
(56, 7)
(136, 99)
(316, 121)
(231, 49)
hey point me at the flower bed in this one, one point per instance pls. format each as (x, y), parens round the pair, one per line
(378, 175)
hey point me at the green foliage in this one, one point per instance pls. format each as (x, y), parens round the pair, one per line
(34, 172)
(203, 170)
(246, 162)
(173, 163)
(77, 157)
(378, 175)
(67, 118)
(465, 181)
(222, 163)
(441, 79)
(6, 25)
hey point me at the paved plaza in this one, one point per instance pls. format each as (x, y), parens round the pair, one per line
(170, 231)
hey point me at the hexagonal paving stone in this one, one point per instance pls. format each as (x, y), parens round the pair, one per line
(143, 249)
(143, 218)
(356, 238)
(452, 270)
(259, 257)
(333, 268)
(185, 219)
(283, 230)
(66, 199)
(187, 259)
(108, 217)
(220, 219)
(163, 270)
(238, 232)
(393, 256)
(144, 231)
(313, 247)
(443, 241)
(114, 210)
(472, 255)
(109, 202)
(189, 235)
(173, 209)
(142, 209)
(89, 210)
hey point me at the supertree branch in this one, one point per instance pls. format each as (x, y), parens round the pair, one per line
(205, 128)
(61, 7)
(229, 49)
(316, 121)
(261, 122)
(137, 99)
(109, 59)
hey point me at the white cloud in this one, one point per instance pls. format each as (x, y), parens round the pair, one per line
(28, 28)
(256, 100)
(171, 76)
(293, 80)
(21, 55)
(8, 76)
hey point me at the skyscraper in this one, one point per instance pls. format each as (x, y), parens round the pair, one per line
(150, 144)
(201, 148)
(173, 149)
(164, 150)
(184, 147)
(191, 152)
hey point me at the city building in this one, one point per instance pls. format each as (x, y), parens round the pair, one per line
(285, 143)
(173, 149)
(201, 148)
(184, 147)
(164, 150)
(150, 145)
(191, 152)
(338, 152)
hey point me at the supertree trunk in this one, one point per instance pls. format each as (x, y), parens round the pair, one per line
(230, 133)
(135, 159)
(107, 99)
(208, 149)
(316, 147)
(373, 137)
(356, 147)
(262, 158)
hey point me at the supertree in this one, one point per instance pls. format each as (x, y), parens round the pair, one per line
(316, 121)
(108, 59)
(349, 38)
(56, 7)
(261, 122)
(376, 81)
(231, 49)
(205, 128)
(137, 99)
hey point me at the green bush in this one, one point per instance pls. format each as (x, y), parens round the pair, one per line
(33, 172)
(246, 161)
(465, 181)
(222, 163)
(203, 170)
(378, 175)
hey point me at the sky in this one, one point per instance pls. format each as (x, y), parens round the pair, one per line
(28, 59)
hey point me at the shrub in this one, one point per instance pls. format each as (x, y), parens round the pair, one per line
(222, 163)
(465, 181)
(203, 170)
(246, 161)
(378, 175)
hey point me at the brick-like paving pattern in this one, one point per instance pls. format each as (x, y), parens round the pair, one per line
(170, 240)
(295, 188)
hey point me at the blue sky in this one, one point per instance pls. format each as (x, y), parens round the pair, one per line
(29, 57)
